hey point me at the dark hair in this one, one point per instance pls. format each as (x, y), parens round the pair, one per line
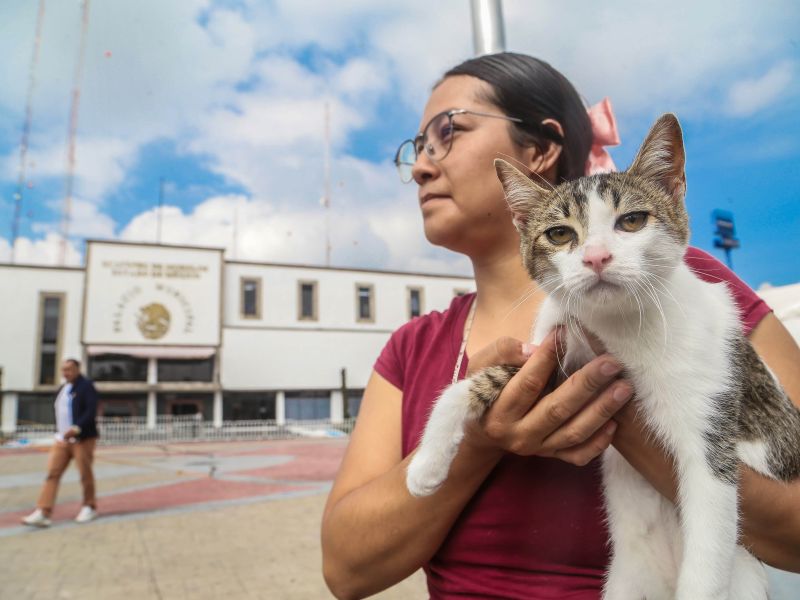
(74, 361)
(530, 89)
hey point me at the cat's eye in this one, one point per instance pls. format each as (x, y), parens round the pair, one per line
(560, 235)
(632, 221)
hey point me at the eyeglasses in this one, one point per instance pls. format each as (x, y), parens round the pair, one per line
(436, 140)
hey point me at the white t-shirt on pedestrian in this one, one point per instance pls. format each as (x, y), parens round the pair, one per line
(63, 411)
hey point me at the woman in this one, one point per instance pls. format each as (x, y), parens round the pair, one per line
(510, 521)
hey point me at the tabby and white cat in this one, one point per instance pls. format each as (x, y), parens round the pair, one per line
(609, 250)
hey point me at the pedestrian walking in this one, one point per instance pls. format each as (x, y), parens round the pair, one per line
(76, 436)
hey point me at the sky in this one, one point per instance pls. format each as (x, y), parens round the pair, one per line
(224, 102)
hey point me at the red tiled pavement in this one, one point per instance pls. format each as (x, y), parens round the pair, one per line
(312, 462)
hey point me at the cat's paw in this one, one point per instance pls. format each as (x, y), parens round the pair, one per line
(425, 475)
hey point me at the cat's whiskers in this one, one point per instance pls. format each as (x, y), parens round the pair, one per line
(660, 280)
(652, 292)
(666, 262)
(662, 283)
(573, 324)
(631, 288)
(551, 186)
(563, 344)
(579, 325)
(707, 276)
(526, 295)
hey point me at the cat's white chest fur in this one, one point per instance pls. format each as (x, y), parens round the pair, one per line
(675, 355)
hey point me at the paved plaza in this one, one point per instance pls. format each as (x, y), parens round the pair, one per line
(236, 520)
(179, 521)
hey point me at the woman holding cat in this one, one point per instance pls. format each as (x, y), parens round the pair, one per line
(509, 521)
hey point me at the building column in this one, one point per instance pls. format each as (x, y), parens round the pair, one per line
(151, 410)
(218, 408)
(10, 409)
(280, 407)
(337, 406)
(152, 371)
(152, 379)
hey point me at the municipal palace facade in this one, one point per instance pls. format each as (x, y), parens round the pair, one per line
(176, 330)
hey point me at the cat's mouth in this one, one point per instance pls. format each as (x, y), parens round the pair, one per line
(601, 285)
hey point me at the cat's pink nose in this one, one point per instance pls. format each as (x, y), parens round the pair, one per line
(596, 257)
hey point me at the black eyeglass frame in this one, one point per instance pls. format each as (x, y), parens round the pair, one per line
(548, 132)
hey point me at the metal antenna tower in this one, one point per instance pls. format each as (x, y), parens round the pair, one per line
(326, 198)
(26, 131)
(73, 128)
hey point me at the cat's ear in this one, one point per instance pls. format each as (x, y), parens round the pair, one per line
(661, 159)
(522, 194)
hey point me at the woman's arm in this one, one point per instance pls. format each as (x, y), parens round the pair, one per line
(374, 533)
(770, 509)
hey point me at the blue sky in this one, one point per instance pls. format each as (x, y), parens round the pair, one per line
(225, 101)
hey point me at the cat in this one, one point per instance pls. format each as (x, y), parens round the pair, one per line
(608, 249)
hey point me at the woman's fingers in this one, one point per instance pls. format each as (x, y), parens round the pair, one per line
(594, 416)
(584, 453)
(558, 407)
(526, 386)
(573, 422)
(503, 351)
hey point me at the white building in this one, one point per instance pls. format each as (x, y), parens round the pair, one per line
(179, 330)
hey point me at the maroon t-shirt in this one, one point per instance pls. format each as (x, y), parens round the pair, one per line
(535, 528)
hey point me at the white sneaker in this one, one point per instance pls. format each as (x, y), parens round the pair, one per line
(37, 519)
(87, 514)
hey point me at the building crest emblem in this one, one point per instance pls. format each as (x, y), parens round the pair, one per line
(153, 320)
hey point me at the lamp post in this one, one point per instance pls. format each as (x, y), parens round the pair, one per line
(488, 33)
(725, 233)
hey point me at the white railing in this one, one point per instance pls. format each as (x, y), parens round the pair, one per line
(135, 430)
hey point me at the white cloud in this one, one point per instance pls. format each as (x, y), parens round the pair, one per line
(227, 84)
(748, 96)
(365, 234)
(40, 251)
(653, 57)
(86, 222)
(101, 164)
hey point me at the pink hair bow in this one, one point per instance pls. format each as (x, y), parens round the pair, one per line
(604, 133)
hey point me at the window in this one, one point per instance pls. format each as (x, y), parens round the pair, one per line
(241, 406)
(308, 406)
(250, 304)
(36, 409)
(200, 369)
(51, 309)
(307, 301)
(117, 367)
(122, 405)
(365, 312)
(182, 404)
(415, 296)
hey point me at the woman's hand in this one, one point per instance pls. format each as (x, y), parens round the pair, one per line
(573, 422)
